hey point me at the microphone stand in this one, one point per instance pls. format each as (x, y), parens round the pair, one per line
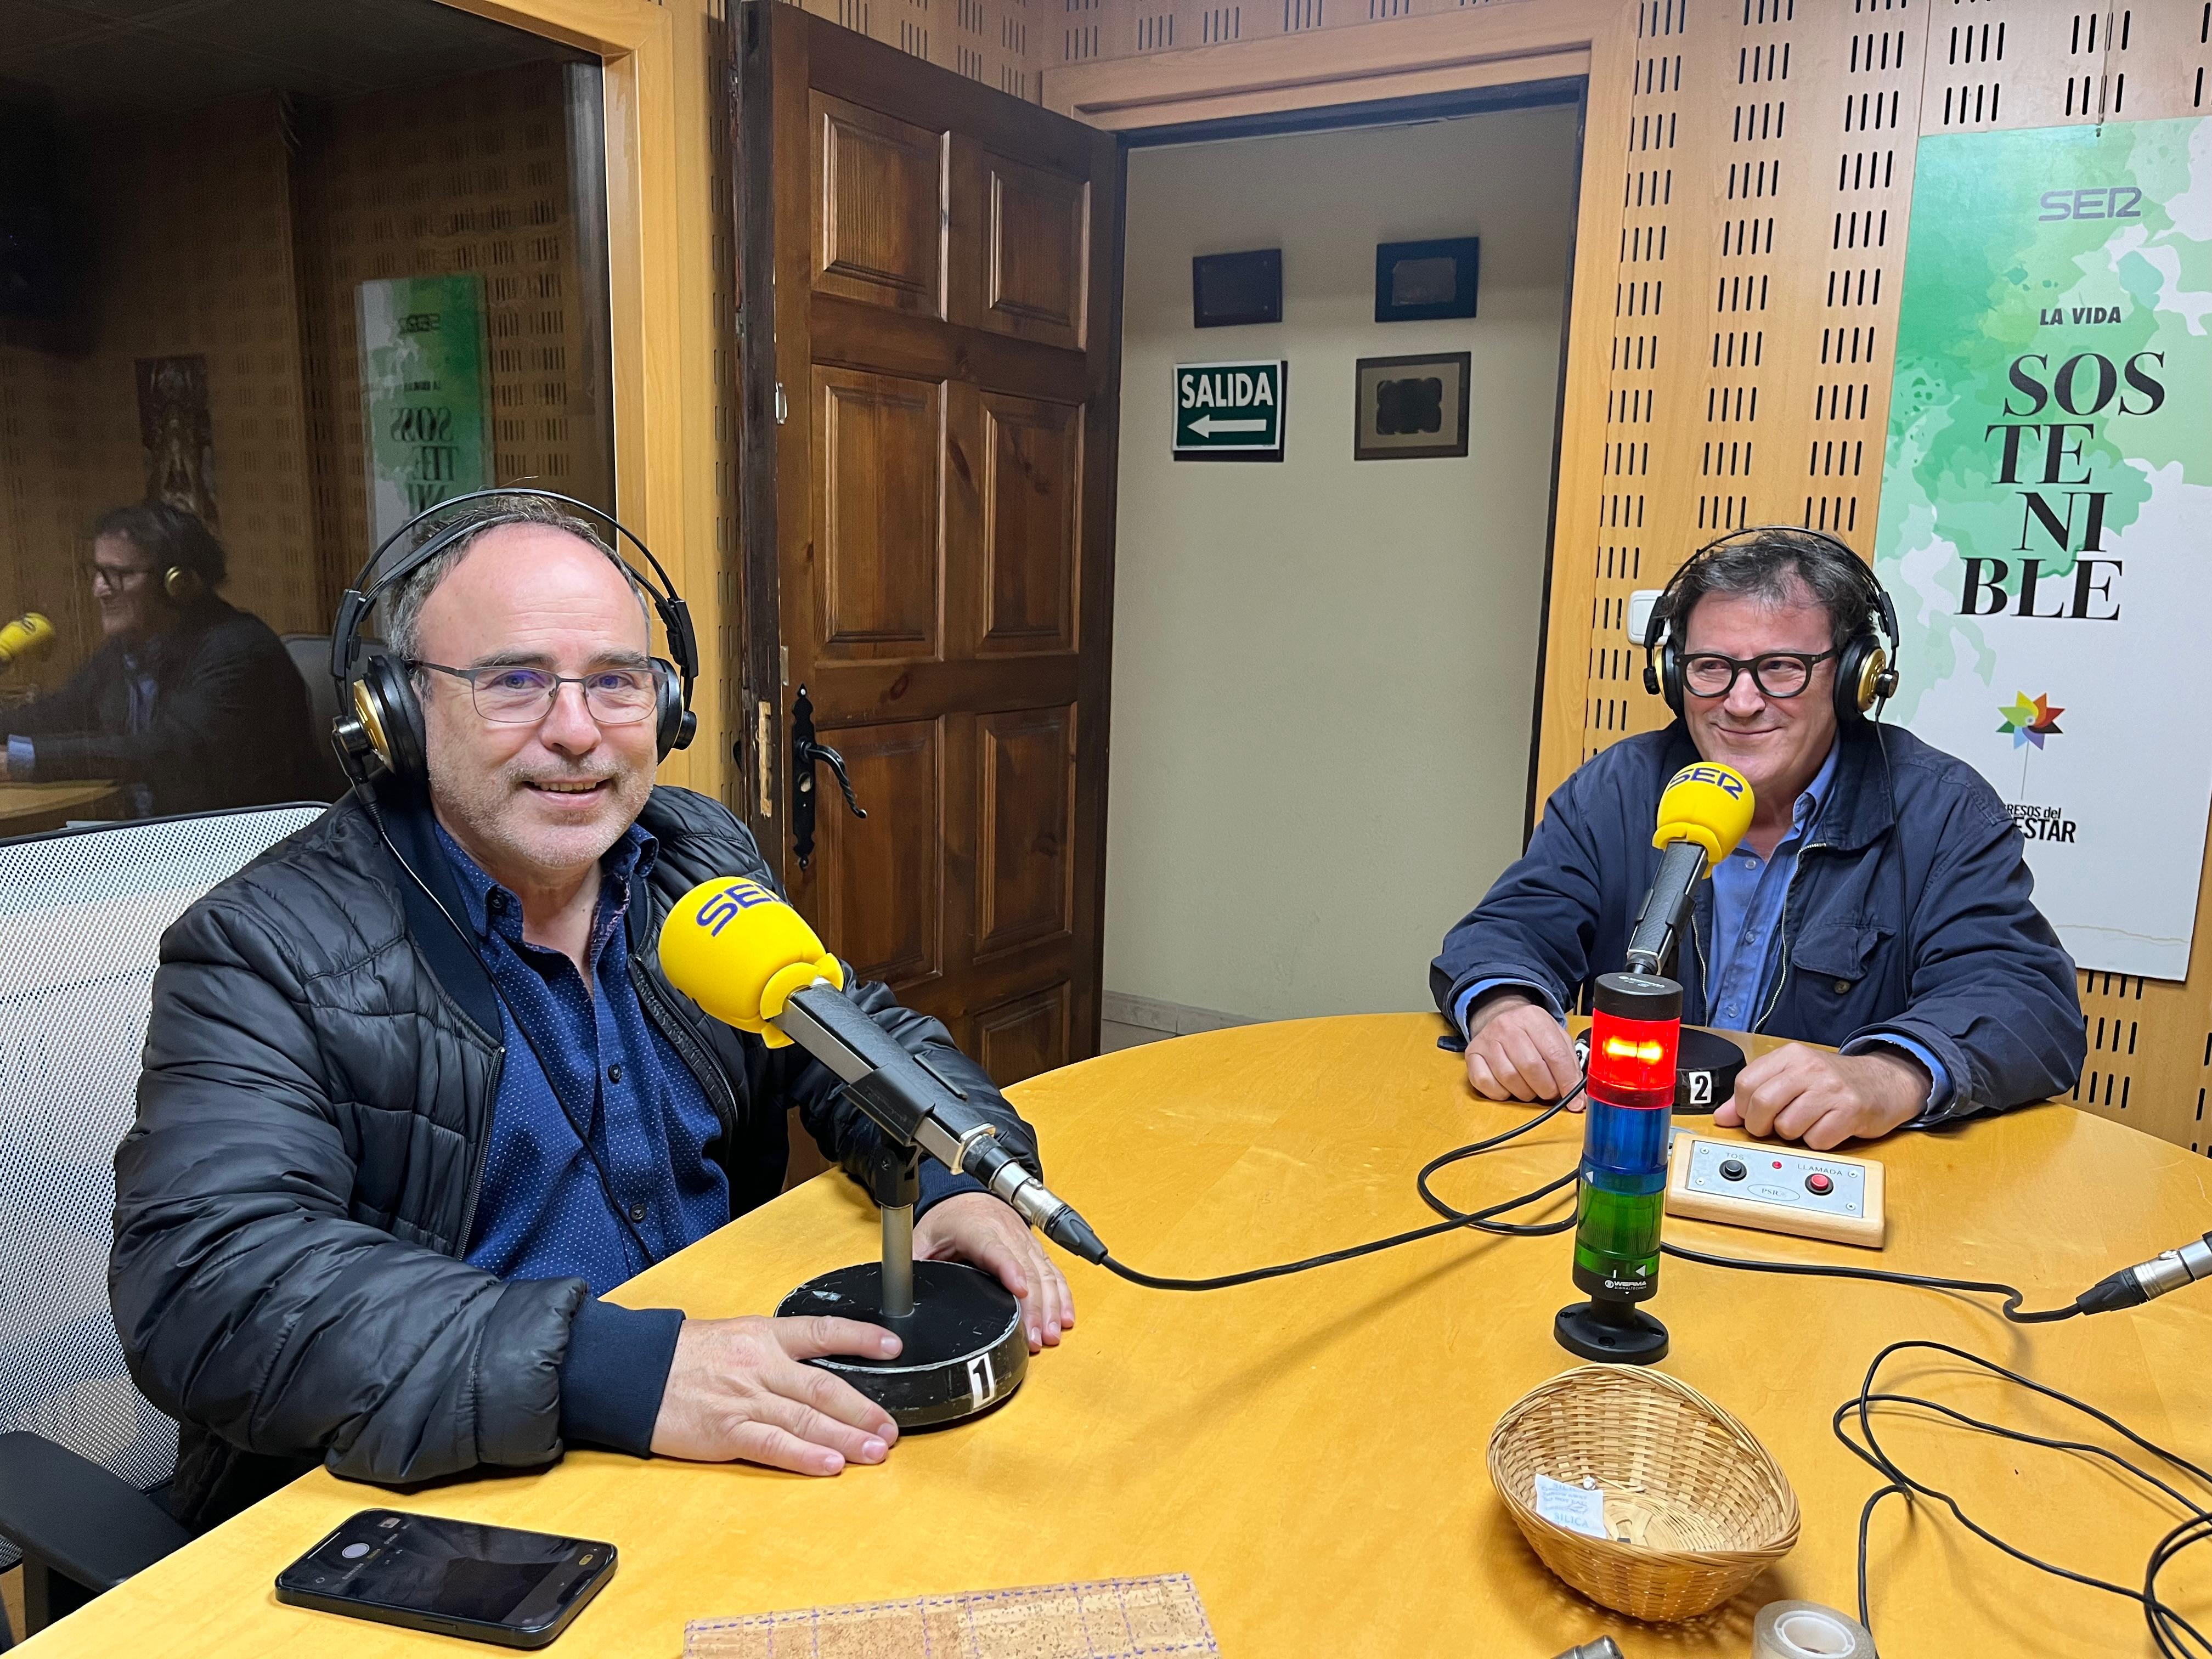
(963, 1348)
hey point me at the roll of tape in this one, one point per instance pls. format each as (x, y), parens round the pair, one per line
(1806, 1629)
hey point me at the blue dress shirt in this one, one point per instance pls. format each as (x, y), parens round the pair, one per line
(543, 1210)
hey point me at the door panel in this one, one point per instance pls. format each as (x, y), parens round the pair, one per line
(879, 205)
(1027, 821)
(1038, 225)
(882, 898)
(1032, 495)
(880, 459)
(928, 286)
(1023, 1037)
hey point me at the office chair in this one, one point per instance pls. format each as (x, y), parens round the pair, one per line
(82, 915)
(311, 655)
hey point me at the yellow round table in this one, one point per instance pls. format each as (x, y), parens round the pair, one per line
(1310, 1449)
(27, 808)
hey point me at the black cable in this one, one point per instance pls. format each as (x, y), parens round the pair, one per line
(2013, 1297)
(2170, 1632)
(1480, 1219)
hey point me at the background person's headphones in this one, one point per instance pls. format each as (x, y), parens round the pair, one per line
(183, 585)
(1866, 668)
(384, 729)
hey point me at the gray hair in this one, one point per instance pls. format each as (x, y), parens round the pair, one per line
(399, 609)
(1780, 565)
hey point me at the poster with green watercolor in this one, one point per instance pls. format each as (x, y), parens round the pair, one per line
(2046, 508)
(426, 427)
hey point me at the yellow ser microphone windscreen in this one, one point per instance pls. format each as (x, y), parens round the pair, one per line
(739, 951)
(28, 638)
(1708, 803)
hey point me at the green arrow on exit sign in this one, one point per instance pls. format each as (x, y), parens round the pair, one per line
(1229, 411)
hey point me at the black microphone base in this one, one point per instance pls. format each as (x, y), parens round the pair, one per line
(1611, 1332)
(964, 1350)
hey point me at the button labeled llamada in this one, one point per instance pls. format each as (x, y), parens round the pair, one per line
(1819, 1184)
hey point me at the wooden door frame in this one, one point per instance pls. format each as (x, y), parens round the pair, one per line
(664, 350)
(1476, 47)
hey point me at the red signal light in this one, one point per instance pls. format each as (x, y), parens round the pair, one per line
(1632, 1061)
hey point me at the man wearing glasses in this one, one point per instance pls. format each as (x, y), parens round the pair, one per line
(1879, 905)
(190, 704)
(416, 1094)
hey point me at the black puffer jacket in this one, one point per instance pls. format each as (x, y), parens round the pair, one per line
(293, 1202)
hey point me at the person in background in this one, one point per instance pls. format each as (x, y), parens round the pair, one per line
(1879, 905)
(190, 704)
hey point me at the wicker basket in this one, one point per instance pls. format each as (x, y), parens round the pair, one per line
(1697, 1508)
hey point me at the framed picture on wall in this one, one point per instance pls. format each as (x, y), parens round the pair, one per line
(1426, 281)
(1411, 408)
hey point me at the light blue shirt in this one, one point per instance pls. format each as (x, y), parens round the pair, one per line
(1743, 965)
(1748, 894)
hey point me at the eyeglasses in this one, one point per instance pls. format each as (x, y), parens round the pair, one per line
(523, 697)
(1776, 674)
(116, 576)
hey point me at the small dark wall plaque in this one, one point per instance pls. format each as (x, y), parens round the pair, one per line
(1411, 408)
(1228, 289)
(1422, 281)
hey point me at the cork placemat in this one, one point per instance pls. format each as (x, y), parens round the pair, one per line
(1110, 1619)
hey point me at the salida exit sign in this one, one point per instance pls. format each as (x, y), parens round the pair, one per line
(1229, 411)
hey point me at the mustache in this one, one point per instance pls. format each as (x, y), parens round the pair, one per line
(529, 778)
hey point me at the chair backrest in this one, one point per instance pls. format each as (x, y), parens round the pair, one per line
(311, 655)
(82, 916)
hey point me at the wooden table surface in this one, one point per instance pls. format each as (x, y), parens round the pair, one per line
(1310, 1449)
(28, 808)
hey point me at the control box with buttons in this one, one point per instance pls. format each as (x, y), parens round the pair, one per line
(1778, 1189)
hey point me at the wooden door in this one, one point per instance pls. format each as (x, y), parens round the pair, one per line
(929, 350)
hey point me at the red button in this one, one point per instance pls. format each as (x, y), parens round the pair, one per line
(1818, 1185)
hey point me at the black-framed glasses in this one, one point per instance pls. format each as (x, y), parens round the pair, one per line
(115, 577)
(515, 696)
(1776, 673)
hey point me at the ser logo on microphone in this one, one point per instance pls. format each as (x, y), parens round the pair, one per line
(1719, 776)
(733, 902)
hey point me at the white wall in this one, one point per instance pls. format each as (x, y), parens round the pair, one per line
(1324, 671)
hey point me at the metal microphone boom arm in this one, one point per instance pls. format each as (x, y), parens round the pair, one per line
(916, 1107)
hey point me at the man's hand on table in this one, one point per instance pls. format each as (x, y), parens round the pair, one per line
(737, 1390)
(986, 1232)
(1797, 1093)
(1516, 1050)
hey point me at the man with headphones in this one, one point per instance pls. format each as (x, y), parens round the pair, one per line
(191, 704)
(1879, 904)
(417, 1092)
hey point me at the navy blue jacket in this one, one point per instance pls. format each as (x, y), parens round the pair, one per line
(1912, 912)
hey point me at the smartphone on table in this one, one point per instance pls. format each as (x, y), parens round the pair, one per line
(456, 1577)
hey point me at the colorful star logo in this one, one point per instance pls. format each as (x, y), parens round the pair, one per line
(2031, 721)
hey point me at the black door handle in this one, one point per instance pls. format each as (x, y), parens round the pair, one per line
(806, 753)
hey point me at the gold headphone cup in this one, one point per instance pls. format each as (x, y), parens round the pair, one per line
(369, 711)
(1876, 681)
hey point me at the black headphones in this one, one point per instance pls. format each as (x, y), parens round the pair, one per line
(384, 729)
(1866, 667)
